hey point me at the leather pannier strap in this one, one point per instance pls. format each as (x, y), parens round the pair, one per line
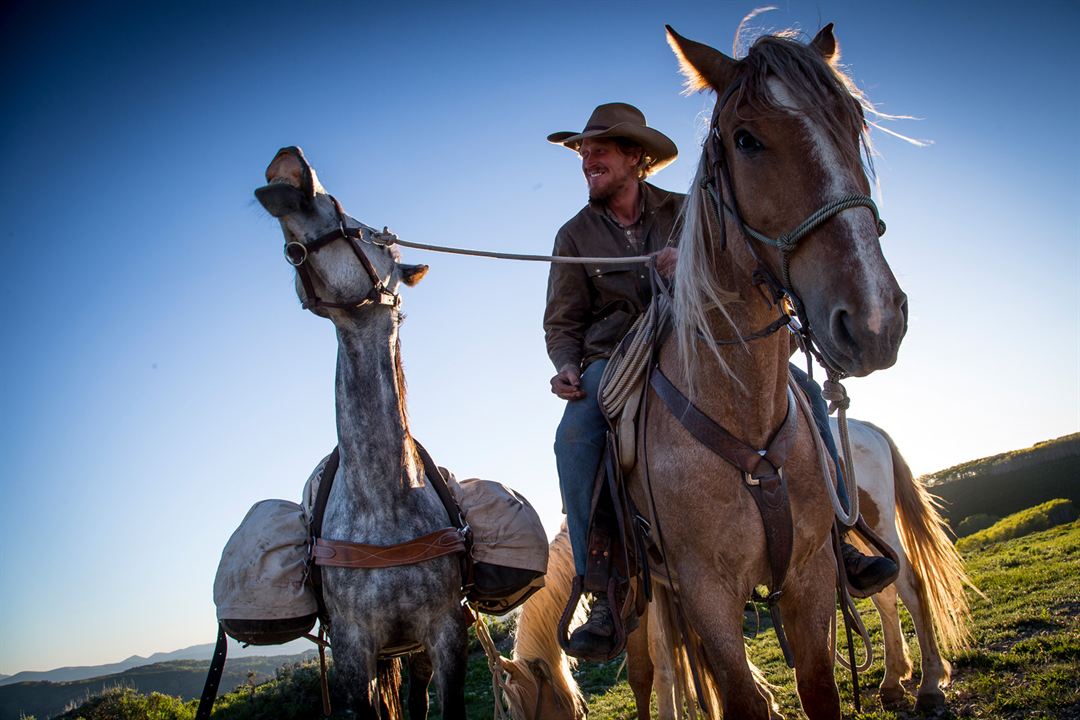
(339, 553)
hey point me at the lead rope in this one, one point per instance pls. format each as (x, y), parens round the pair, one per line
(839, 402)
(387, 238)
(498, 682)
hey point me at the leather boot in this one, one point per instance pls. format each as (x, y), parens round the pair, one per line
(595, 639)
(866, 574)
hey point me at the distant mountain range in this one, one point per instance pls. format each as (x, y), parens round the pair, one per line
(195, 652)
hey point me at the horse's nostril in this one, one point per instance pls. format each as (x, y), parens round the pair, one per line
(841, 331)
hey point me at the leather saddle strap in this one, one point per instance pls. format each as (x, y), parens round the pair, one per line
(438, 483)
(318, 510)
(213, 677)
(764, 481)
(713, 436)
(340, 553)
(457, 516)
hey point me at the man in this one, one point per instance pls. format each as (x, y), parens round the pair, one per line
(590, 308)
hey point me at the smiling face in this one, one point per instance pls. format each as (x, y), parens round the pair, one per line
(608, 168)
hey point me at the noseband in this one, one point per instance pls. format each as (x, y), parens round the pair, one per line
(717, 176)
(297, 254)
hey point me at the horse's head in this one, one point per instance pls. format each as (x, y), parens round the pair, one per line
(784, 155)
(341, 265)
(533, 693)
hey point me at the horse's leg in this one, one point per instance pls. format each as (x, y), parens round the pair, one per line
(717, 615)
(354, 671)
(897, 660)
(935, 670)
(639, 667)
(808, 606)
(420, 671)
(449, 656)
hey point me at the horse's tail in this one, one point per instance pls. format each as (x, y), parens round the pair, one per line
(937, 568)
(388, 672)
(538, 660)
(669, 649)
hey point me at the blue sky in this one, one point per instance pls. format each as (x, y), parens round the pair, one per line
(159, 376)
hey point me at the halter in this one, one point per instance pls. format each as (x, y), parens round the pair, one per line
(297, 253)
(717, 176)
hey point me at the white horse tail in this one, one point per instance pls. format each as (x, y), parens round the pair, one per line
(938, 569)
(539, 666)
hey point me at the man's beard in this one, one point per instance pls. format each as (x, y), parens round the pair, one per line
(601, 196)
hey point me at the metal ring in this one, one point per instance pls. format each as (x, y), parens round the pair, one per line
(303, 250)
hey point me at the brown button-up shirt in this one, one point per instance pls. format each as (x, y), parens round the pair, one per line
(590, 308)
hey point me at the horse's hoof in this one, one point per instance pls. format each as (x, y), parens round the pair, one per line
(930, 703)
(893, 697)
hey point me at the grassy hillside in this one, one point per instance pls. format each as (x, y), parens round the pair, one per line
(1041, 517)
(1003, 484)
(1026, 655)
(181, 678)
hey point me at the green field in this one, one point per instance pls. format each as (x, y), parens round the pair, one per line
(1025, 661)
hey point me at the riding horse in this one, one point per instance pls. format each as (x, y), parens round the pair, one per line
(779, 215)
(380, 495)
(896, 506)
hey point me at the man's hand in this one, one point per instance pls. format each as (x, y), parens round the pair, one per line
(567, 384)
(665, 261)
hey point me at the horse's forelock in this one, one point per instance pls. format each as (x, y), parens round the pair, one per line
(818, 86)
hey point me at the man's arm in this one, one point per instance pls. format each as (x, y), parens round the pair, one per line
(566, 318)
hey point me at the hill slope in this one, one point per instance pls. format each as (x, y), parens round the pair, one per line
(1003, 484)
(182, 678)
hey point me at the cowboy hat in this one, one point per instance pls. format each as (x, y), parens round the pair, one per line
(619, 120)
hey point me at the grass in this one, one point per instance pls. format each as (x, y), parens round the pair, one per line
(1025, 522)
(1025, 659)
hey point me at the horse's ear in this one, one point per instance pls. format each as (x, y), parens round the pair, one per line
(825, 43)
(702, 66)
(412, 274)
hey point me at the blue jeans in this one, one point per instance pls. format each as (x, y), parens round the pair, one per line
(579, 447)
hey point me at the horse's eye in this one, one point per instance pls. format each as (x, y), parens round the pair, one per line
(747, 142)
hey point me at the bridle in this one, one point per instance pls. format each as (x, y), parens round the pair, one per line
(297, 254)
(716, 177)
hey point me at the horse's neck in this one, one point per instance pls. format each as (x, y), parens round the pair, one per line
(377, 458)
(751, 401)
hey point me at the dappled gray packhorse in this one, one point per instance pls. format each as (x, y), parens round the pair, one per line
(380, 496)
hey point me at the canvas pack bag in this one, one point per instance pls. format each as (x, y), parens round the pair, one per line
(261, 589)
(509, 544)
